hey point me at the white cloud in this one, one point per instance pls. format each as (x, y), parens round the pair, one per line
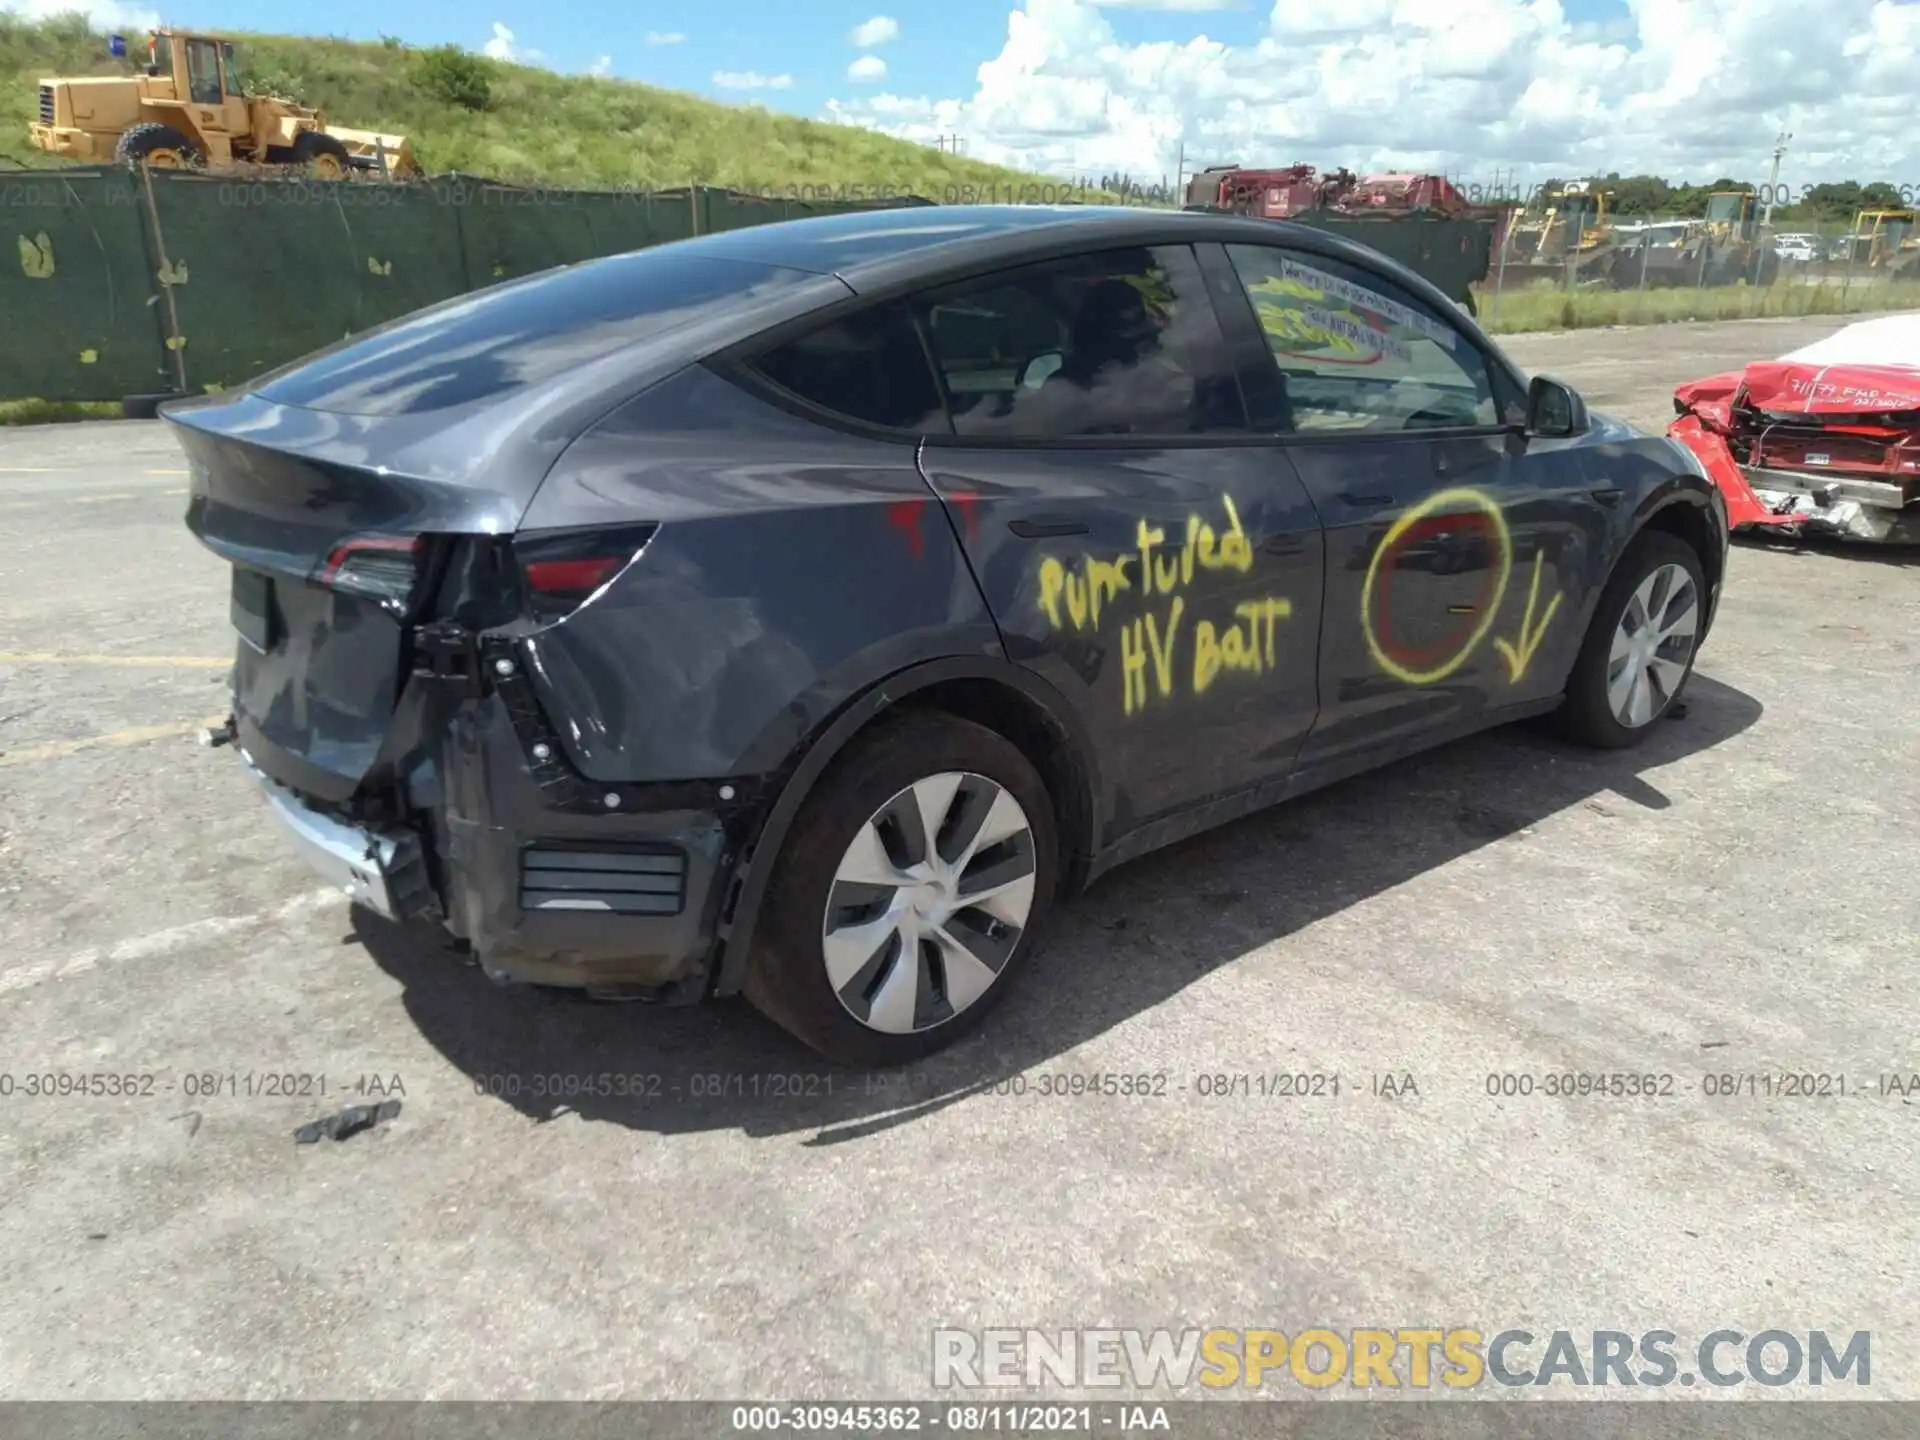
(867, 69)
(665, 37)
(603, 65)
(1689, 89)
(877, 31)
(750, 80)
(503, 46)
(1168, 4)
(106, 15)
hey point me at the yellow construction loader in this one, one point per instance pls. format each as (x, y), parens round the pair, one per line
(1887, 241)
(191, 107)
(1563, 230)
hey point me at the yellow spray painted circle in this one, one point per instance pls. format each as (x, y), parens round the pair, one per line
(1396, 536)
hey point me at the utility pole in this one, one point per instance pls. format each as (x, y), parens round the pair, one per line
(1773, 178)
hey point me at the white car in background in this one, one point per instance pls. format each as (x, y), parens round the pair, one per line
(1796, 247)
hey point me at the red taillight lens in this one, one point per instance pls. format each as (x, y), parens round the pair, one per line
(572, 577)
(380, 567)
(563, 569)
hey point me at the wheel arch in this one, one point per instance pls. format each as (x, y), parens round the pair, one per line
(175, 116)
(1687, 517)
(998, 695)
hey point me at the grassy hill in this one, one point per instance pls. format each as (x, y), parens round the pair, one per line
(540, 126)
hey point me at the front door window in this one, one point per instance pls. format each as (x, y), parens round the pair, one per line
(203, 72)
(1354, 356)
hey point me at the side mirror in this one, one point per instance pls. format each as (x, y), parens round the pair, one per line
(1037, 371)
(1554, 410)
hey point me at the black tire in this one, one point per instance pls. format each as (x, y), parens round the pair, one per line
(787, 974)
(144, 407)
(139, 142)
(1586, 715)
(311, 145)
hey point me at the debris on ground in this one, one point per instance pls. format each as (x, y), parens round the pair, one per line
(350, 1121)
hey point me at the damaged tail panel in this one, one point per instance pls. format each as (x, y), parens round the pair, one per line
(333, 564)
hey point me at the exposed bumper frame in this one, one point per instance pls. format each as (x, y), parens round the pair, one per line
(1836, 504)
(370, 867)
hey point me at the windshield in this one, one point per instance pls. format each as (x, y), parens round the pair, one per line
(236, 75)
(1724, 207)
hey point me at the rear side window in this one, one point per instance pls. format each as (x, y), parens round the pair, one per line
(868, 366)
(1358, 353)
(519, 334)
(1118, 342)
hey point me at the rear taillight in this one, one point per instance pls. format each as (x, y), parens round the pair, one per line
(564, 569)
(381, 567)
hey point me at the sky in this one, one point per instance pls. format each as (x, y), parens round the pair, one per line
(1484, 90)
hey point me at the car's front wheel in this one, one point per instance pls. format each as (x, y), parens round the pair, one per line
(911, 889)
(1640, 647)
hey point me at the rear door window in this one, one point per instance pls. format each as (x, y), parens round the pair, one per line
(1119, 342)
(868, 366)
(524, 332)
(1356, 352)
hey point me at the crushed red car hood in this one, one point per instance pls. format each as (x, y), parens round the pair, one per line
(1862, 383)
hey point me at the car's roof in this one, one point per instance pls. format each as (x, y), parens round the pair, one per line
(836, 244)
(870, 249)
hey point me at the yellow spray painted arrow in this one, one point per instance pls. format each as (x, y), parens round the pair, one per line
(1520, 656)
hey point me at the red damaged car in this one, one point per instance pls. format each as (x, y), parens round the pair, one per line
(1826, 439)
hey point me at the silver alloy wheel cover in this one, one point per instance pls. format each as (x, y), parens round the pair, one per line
(1652, 646)
(929, 902)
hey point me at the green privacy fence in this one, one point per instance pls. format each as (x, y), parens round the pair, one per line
(168, 282)
(78, 318)
(156, 282)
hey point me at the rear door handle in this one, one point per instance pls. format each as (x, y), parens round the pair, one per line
(1366, 502)
(1608, 494)
(1039, 527)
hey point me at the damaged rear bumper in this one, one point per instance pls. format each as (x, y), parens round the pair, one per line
(382, 870)
(1856, 507)
(624, 899)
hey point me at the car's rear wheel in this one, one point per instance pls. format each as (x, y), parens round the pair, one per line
(1640, 647)
(912, 888)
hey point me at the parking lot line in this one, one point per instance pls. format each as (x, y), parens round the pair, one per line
(161, 942)
(137, 735)
(48, 657)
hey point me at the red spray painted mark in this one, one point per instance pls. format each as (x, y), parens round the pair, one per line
(968, 504)
(904, 516)
(1428, 528)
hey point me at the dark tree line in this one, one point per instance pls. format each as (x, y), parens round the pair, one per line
(1842, 200)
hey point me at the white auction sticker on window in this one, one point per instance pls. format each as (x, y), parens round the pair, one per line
(1365, 299)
